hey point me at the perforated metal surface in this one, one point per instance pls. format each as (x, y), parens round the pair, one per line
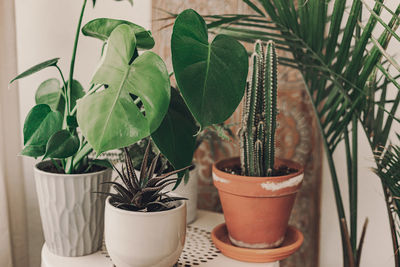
(198, 251)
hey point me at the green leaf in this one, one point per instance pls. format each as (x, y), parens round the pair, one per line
(77, 92)
(36, 68)
(101, 28)
(109, 119)
(72, 122)
(40, 124)
(34, 150)
(130, 1)
(101, 162)
(175, 138)
(61, 145)
(50, 93)
(211, 77)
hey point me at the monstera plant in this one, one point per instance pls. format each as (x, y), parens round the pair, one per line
(51, 128)
(211, 78)
(66, 176)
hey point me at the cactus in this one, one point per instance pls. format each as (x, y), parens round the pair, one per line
(257, 133)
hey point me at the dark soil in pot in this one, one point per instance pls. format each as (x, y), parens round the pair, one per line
(282, 170)
(47, 166)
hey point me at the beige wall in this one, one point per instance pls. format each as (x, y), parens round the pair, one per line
(45, 29)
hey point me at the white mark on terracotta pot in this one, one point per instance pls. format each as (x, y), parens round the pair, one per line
(219, 179)
(272, 186)
(257, 245)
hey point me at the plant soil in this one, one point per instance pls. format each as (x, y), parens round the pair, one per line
(52, 169)
(131, 208)
(282, 170)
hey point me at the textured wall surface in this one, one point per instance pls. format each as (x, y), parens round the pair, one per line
(297, 135)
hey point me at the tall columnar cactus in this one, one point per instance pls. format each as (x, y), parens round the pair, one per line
(257, 134)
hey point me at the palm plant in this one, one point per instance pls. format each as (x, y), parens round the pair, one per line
(346, 71)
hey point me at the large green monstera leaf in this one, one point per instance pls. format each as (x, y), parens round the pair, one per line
(211, 76)
(102, 28)
(109, 119)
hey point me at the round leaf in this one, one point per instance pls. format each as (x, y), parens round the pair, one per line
(62, 145)
(101, 29)
(211, 77)
(109, 119)
(40, 124)
(175, 138)
(49, 92)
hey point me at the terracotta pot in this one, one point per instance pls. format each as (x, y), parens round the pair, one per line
(256, 209)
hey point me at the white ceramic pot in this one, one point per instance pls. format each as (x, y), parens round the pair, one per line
(189, 191)
(72, 215)
(144, 239)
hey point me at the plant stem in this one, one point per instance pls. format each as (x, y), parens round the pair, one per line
(71, 70)
(58, 167)
(332, 169)
(349, 165)
(83, 152)
(354, 184)
(63, 80)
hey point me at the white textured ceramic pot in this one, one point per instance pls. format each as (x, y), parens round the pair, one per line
(72, 215)
(189, 191)
(144, 239)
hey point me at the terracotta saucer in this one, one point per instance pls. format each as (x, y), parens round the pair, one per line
(293, 240)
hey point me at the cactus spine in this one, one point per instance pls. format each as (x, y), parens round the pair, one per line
(257, 133)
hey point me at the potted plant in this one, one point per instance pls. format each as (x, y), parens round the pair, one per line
(72, 217)
(257, 191)
(141, 218)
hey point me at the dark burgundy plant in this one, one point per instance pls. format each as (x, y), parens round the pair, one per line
(143, 192)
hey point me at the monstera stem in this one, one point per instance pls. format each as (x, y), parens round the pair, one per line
(69, 161)
(72, 66)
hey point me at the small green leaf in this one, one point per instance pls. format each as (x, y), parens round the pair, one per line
(77, 92)
(94, 2)
(34, 150)
(101, 28)
(175, 138)
(41, 123)
(36, 68)
(211, 77)
(49, 92)
(61, 145)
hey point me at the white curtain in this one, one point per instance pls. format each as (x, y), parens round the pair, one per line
(13, 233)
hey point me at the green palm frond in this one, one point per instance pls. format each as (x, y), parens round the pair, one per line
(388, 170)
